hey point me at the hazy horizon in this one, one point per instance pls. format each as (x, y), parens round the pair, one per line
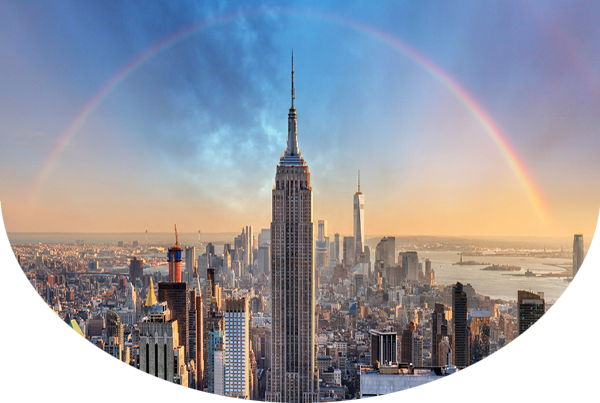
(190, 238)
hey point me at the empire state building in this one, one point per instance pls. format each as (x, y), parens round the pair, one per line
(293, 377)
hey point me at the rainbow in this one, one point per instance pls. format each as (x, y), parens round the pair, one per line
(460, 93)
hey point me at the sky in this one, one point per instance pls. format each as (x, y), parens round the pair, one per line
(468, 118)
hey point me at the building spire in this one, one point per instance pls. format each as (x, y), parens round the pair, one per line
(293, 91)
(291, 155)
(359, 181)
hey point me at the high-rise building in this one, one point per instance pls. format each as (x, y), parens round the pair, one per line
(219, 371)
(460, 330)
(577, 253)
(114, 329)
(406, 350)
(174, 258)
(214, 331)
(237, 348)
(190, 262)
(161, 354)
(136, 269)
(176, 296)
(429, 274)
(264, 259)
(384, 347)
(349, 251)
(248, 246)
(322, 245)
(210, 249)
(417, 349)
(207, 295)
(114, 347)
(322, 230)
(531, 308)
(195, 332)
(410, 263)
(359, 222)
(382, 252)
(391, 251)
(216, 342)
(264, 237)
(480, 335)
(322, 254)
(292, 278)
(439, 329)
(367, 256)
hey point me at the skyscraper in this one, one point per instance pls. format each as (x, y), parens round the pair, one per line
(385, 251)
(391, 251)
(349, 251)
(439, 329)
(359, 221)
(407, 344)
(264, 259)
(248, 259)
(531, 308)
(577, 253)
(195, 332)
(460, 340)
(237, 348)
(176, 297)
(136, 269)
(322, 230)
(410, 263)
(114, 328)
(292, 278)
(174, 258)
(216, 340)
(322, 245)
(383, 347)
(480, 335)
(190, 262)
(161, 354)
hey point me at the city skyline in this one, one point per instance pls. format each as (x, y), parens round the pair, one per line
(457, 131)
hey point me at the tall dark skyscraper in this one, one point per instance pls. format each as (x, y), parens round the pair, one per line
(531, 308)
(577, 253)
(293, 376)
(460, 340)
(136, 269)
(176, 297)
(439, 329)
(406, 344)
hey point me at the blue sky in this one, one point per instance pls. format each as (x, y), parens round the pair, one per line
(193, 135)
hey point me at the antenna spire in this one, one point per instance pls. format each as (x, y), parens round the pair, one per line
(176, 237)
(293, 91)
(359, 181)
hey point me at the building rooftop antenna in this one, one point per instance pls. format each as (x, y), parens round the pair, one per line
(293, 91)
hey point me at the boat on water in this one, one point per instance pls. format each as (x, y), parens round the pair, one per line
(502, 267)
